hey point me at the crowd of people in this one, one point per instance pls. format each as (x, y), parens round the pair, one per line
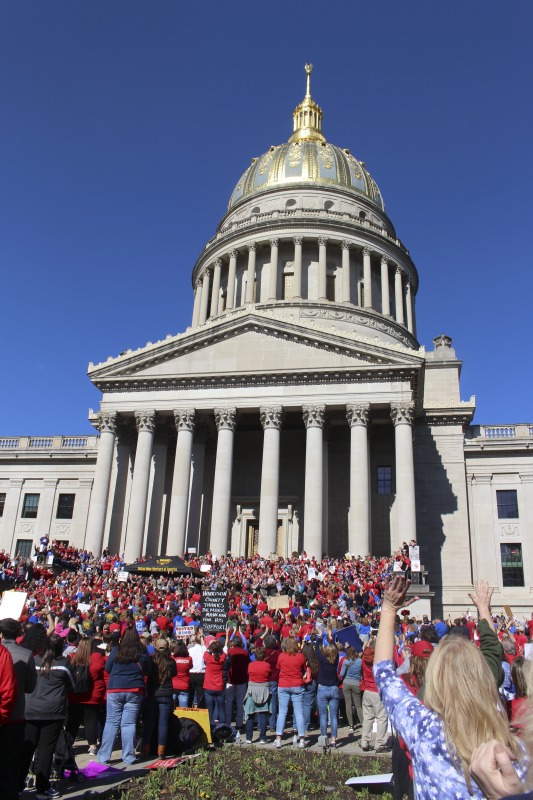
(98, 651)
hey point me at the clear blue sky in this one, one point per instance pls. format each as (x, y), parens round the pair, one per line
(126, 124)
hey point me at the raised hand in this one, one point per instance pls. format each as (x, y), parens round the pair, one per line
(481, 598)
(396, 593)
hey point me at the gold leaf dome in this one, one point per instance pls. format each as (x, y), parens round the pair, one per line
(307, 158)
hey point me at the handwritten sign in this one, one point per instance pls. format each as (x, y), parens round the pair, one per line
(123, 576)
(185, 631)
(214, 610)
(278, 602)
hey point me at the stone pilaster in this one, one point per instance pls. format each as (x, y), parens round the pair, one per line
(298, 241)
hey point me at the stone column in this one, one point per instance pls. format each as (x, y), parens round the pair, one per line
(298, 240)
(359, 518)
(402, 416)
(107, 425)
(385, 289)
(156, 493)
(196, 497)
(120, 485)
(273, 276)
(322, 268)
(11, 514)
(398, 294)
(250, 280)
(196, 307)
(314, 419)
(367, 277)
(185, 419)
(271, 419)
(345, 272)
(226, 422)
(232, 269)
(216, 288)
(409, 304)
(145, 421)
(205, 297)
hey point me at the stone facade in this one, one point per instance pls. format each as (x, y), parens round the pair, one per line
(297, 412)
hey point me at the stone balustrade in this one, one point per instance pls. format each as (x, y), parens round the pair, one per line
(500, 432)
(49, 443)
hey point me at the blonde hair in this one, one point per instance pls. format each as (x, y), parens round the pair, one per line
(461, 689)
(291, 645)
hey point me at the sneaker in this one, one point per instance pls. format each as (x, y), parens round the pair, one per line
(49, 793)
(263, 741)
(248, 741)
(351, 729)
(301, 744)
(93, 750)
(277, 742)
(385, 749)
(365, 748)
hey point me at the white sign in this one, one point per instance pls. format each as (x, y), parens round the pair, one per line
(311, 573)
(205, 568)
(414, 553)
(397, 566)
(84, 607)
(12, 604)
(191, 549)
(185, 631)
(110, 594)
(123, 576)
(415, 565)
(321, 576)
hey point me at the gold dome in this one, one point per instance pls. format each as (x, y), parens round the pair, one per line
(306, 158)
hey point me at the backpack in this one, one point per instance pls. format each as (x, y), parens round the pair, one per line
(83, 681)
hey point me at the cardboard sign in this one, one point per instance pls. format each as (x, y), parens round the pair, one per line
(508, 611)
(123, 576)
(200, 716)
(214, 610)
(12, 604)
(278, 602)
(185, 631)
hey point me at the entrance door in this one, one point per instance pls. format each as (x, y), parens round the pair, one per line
(252, 538)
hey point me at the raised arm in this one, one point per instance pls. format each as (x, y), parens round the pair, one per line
(393, 600)
(481, 598)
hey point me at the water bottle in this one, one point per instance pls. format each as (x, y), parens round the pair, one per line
(295, 740)
(238, 737)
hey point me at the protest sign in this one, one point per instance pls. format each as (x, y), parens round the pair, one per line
(214, 610)
(185, 631)
(349, 636)
(123, 576)
(397, 566)
(205, 568)
(191, 550)
(415, 565)
(414, 553)
(278, 602)
(199, 715)
(12, 604)
(84, 607)
(508, 611)
(311, 573)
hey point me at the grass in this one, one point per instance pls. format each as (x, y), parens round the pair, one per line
(232, 773)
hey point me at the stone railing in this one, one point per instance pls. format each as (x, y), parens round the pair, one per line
(306, 213)
(49, 443)
(500, 432)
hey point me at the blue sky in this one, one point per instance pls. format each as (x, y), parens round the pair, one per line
(127, 123)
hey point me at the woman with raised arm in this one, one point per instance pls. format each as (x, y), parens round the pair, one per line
(461, 710)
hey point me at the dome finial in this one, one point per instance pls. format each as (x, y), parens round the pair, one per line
(307, 117)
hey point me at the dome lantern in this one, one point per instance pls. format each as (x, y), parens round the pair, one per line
(307, 117)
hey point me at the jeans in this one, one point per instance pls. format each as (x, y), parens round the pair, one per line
(309, 702)
(235, 692)
(328, 696)
(273, 687)
(157, 709)
(181, 699)
(214, 701)
(285, 695)
(262, 718)
(122, 712)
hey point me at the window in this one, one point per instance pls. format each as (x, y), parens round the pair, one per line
(65, 506)
(2, 503)
(507, 504)
(30, 506)
(330, 287)
(288, 286)
(512, 565)
(23, 547)
(384, 480)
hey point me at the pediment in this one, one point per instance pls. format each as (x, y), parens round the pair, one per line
(251, 344)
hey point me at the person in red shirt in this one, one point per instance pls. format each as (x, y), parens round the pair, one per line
(291, 665)
(257, 698)
(217, 664)
(237, 679)
(181, 683)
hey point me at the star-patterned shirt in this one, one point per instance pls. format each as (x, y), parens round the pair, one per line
(434, 773)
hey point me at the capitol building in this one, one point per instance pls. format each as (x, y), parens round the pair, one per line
(298, 412)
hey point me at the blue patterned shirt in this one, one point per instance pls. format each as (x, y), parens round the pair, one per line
(434, 772)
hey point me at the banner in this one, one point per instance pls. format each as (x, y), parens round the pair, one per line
(214, 610)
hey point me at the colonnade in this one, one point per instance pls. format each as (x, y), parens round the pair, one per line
(215, 289)
(226, 420)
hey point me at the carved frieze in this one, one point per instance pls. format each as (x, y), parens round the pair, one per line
(314, 416)
(271, 417)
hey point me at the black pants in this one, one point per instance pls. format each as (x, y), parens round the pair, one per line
(92, 716)
(11, 743)
(197, 686)
(40, 735)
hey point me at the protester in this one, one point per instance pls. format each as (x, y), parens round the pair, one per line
(291, 665)
(373, 708)
(327, 697)
(10, 734)
(310, 683)
(87, 706)
(181, 682)
(217, 664)
(159, 703)
(350, 674)
(237, 682)
(257, 697)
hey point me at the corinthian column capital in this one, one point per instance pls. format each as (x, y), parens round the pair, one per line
(185, 419)
(271, 417)
(218, 262)
(252, 246)
(274, 242)
(107, 421)
(298, 239)
(145, 420)
(314, 416)
(226, 419)
(322, 241)
(357, 414)
(346, 245)
(402, 413)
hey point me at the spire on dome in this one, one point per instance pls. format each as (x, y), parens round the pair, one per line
(307, 117)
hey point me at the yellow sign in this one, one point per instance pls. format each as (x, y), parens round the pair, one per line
(200, 716)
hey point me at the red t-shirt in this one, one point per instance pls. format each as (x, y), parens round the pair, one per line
(163, 623)
(182, 681)
(259, 672)
(291, 670)
(213, 679)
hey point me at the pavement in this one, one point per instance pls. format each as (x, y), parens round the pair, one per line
(347, 744)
